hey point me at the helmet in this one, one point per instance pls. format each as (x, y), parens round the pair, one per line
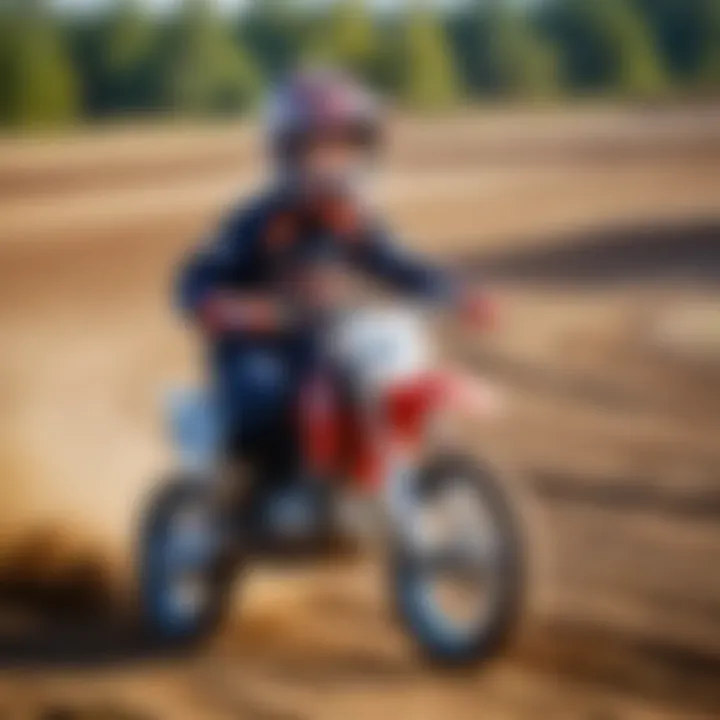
(318, 102)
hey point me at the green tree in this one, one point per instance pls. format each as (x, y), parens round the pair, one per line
(6, 60)
(39, 86)
(709, 74)
(515, 59)
(346, 36)
(419, 60)
(207, 70)
(128, 58)
(85, 34)
(275, 33)
(688, 34)
(606, 46)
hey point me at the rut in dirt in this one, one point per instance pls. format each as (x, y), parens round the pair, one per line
(670, 252)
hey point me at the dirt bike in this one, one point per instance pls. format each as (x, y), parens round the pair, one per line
(373, 436)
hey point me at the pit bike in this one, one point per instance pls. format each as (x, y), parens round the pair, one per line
(382, 472)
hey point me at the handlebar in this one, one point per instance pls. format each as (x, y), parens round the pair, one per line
(230, 312)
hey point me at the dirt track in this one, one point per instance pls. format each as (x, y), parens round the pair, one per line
(610, 354)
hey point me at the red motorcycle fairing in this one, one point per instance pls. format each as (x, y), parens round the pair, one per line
(342, 440)
(408, 406)
(471, 396)
(336, 439)
(320, 412)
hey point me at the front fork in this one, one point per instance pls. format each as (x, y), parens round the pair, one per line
(400, 500)
(401, 494)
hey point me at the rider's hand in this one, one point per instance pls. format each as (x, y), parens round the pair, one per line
(318, 289)
(478, 309)
(232, 312)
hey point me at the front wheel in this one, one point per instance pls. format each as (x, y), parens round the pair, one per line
(458, 585)
(184, 591)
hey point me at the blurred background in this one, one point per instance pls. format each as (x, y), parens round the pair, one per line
(566, 150)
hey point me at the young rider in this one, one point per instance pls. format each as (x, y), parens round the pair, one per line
(325, 132)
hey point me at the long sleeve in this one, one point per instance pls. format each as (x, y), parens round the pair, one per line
(383, 258)
(226, 261)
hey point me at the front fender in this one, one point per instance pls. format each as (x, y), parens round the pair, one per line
(474, 397)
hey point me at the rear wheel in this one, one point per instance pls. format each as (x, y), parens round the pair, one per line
(184, 588)
(458, 586)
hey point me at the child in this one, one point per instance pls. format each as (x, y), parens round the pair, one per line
(325, 132)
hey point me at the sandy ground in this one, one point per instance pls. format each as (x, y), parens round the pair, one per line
(600, 229)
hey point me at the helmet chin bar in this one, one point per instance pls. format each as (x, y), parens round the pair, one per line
(309, 187)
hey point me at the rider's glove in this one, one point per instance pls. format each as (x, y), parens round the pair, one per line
(229, 312)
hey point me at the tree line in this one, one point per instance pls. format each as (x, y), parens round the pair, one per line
(57, 68)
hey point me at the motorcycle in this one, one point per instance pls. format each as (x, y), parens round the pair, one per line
(382, 470)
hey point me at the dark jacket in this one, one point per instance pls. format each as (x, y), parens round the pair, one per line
(255, 242)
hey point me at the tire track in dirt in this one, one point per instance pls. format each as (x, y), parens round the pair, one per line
(633, 632)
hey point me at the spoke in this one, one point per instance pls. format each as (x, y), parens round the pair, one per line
(191, 543)
(186, 596)
(458, 554)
